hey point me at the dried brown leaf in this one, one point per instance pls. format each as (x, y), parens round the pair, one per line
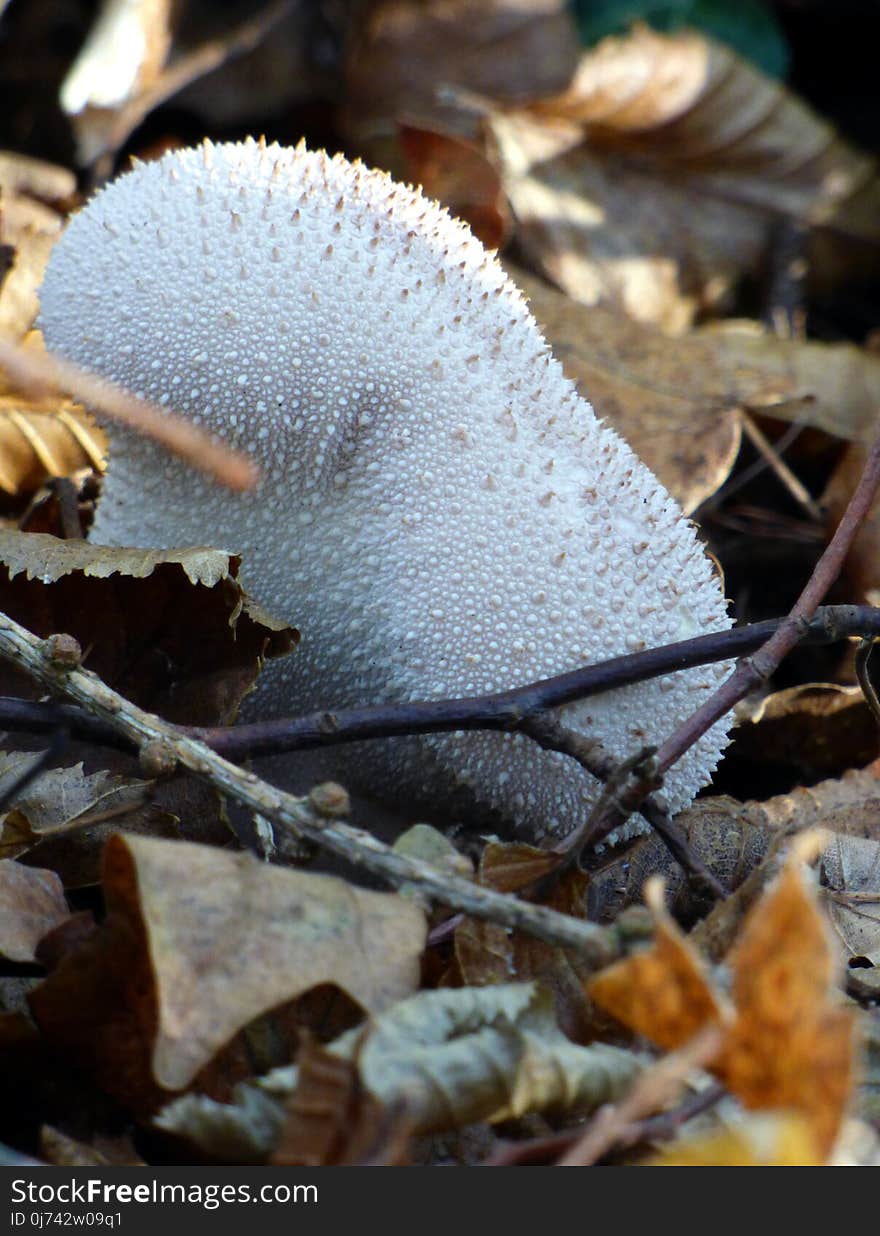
(31, 903)
(603, 178)
(684, 102)
(791, 1045)
(451, 1056)
(664, 993)
(19, 302)
(676, 404)
(197, 943)
(488, 953)
(332, 1120)
(62, 818)
(851, 876)
(732, 839)
(171, 630)
(405, 52)
(44, 438)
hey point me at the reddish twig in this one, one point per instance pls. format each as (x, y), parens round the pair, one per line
(751, 671)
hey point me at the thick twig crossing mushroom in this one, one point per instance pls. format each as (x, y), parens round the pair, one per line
(440, 513)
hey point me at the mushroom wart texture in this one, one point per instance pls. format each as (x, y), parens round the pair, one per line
(440, 513)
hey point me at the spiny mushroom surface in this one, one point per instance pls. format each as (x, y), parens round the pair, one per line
(440, 513)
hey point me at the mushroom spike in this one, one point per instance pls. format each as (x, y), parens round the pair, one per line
(404, 522)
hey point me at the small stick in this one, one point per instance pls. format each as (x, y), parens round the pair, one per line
(751, 672)
(41, 374)
(297, 815)
(622, 1123)
(503, 710)
(863, 656)
(777, 465)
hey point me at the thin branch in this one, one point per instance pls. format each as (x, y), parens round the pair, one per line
(505, 710)
(749, 673)
(291, 814)
(863, 656)
(752, 672)
(528, 709)
(622, 1123)
(38, 372)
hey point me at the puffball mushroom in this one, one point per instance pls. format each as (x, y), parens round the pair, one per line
(440, 513)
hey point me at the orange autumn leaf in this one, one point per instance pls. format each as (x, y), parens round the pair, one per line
(763, 1141)
(790, 1046)
(664, 993)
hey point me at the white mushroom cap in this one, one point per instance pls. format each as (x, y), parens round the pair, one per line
(440, 513)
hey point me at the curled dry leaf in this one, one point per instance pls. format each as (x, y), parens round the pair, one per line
(603, 178)
(452, 1057)
(684, 101)
(31, 903)
(790, 1045)
(332, 1120)
(197, 943)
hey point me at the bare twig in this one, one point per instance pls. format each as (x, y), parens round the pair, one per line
(505, 710)
(37, 372)
(751, 672)
(528, 709)
(863, 656)
(772, 457)
(652, 1090)
(296, 815)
